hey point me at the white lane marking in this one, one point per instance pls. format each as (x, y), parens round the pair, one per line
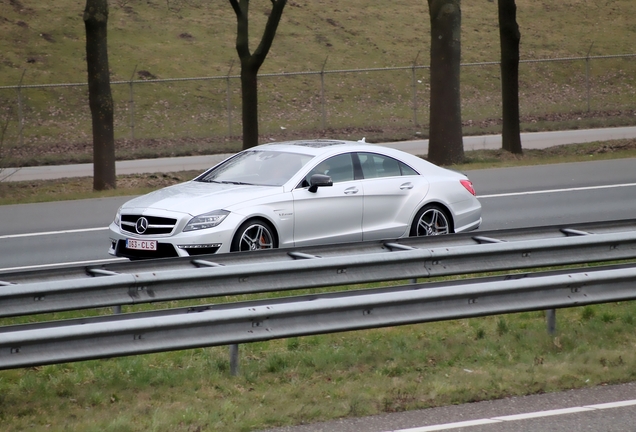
(556, 190)
(517, 417)
(618, 404)
(38, 266)
(547, 413)
(8, 236)
(447, 426)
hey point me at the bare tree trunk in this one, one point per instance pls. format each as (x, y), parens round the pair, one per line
(445, 136)
(99, 95)
(251, 63)
(509, 37)
(249, 108)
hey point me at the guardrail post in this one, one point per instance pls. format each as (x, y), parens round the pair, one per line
(551, 320)
(234, 359)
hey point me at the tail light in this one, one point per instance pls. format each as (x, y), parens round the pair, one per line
(469, 186)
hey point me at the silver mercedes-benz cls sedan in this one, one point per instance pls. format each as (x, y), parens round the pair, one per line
(297, 193)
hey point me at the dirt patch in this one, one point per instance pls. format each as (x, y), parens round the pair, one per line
(145, 75)
(47, 37)
(137, 181)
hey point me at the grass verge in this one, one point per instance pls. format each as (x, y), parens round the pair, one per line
(317, 378)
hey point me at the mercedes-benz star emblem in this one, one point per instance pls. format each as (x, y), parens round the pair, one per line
(142, 225)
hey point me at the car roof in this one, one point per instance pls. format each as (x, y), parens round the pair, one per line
(325, 148)
(316, 147)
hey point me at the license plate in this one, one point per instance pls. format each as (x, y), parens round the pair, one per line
(150, 245)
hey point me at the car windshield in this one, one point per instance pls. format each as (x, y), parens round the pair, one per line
(257, 167)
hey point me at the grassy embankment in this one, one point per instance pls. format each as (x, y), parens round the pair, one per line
(45, 41)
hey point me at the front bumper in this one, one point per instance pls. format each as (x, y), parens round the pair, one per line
(214, 240)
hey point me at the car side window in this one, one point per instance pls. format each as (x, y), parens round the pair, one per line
(339, 168)
(407, 170)
(375, 166)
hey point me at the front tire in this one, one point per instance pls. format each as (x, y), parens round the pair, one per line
(431, 220)
(254, 235)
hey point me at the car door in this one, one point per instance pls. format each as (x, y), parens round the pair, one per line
(392, 193)
(332, 214)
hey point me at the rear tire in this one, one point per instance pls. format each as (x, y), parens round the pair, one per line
(431, 220)
(253, 235)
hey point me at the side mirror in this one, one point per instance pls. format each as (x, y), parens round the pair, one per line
(319, 180)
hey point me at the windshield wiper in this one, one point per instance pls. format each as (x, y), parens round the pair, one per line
(233, 182)
(226, 182)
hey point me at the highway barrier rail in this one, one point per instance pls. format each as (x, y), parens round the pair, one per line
(129, 283)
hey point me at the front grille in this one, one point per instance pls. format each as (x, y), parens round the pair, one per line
(156, 225)
(164, 250)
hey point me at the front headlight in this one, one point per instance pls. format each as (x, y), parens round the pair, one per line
(207, 220)
(118, 217)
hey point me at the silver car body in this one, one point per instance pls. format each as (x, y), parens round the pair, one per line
(375, 204)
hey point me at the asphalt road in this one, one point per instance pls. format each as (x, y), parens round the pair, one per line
(75, 231)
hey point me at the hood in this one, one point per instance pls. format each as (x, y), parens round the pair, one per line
(196, 198)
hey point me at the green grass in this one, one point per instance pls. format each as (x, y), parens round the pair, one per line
(194, 38)
(317, 378)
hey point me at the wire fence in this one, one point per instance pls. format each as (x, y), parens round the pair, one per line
(313, 101)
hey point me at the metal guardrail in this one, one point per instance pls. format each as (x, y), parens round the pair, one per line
(130, 334)
(63, 271)
(78, 287)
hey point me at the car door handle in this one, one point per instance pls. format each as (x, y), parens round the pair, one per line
(405, 186)
(351, 191)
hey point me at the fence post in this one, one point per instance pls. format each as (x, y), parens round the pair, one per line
(323, 121)
(131, 106)
(229, 100)
(234, 359)
(587, 75)
(414, 83)
(20, 117)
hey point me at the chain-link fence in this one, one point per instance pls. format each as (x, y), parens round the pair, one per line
(310, 102)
